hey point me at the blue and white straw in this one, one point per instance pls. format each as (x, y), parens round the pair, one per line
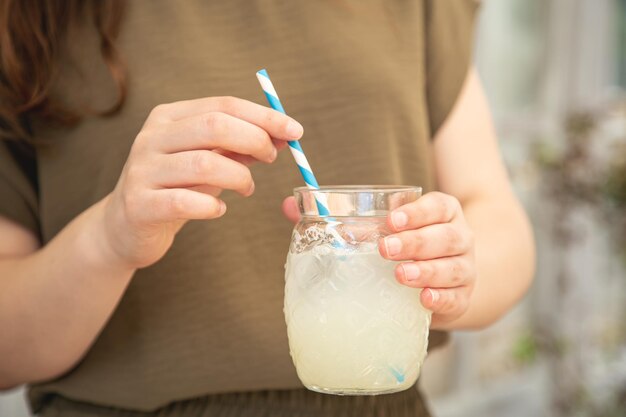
(294, 145)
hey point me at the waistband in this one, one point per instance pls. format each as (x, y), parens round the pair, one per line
(287, 403)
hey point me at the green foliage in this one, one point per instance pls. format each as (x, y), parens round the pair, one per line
(615, 186)
(614, 193)
(525, 349)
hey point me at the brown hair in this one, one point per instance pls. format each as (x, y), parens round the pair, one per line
(32, 33)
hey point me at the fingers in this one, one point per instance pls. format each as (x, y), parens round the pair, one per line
(450, 302)
(276, 124)
(215, 130)
(447, 284)
(242, 159)
(290, 209)
(279, 144)
(246, 159)
(207, 189)
(432, 208)
(167, 205)
(187, 169)
(449, 272)
(432, 233)
(429, 242)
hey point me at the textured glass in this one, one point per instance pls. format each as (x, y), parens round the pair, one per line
(353, 329)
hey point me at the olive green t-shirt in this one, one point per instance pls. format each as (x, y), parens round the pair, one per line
(371, 81)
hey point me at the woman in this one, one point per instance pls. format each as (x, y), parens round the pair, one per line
(113, 303)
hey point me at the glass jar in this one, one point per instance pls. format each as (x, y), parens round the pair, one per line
(353, 329)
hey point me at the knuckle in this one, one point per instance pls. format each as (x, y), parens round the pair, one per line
(175, 204)
(427, 270)
(445, 204)
(129, 200)
(416, 243)
(212, 122)
(457, 273)
(227, 103)
(200, 163)
(276, 119)
(270, 115)
(282, 122)
(132, 202)
(446, 209)
(447, 199)
(159, 111)
(134, 173)
(417, 210)
(142, 140)
(453, 237)
(437, 197)
(263, 143)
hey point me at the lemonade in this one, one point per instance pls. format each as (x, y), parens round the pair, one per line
(353, 329)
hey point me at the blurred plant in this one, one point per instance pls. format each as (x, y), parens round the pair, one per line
(525, 349)
(578, 176)
(614, 192)
(575, 177)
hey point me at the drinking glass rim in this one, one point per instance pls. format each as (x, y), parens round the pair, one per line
(359, 188)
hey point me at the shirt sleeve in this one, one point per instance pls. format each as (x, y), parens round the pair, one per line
(449, 44)
(18, 195)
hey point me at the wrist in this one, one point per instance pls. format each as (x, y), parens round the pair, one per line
(95, 239)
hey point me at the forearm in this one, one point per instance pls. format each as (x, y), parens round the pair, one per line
(54, 302)
(505, 259)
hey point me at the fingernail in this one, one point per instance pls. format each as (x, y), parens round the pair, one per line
(434, 295)
(251, 190)
(273, 155)
(399, 219)
(294, 129)
(393, 245)
(222, 208)
(411, 271)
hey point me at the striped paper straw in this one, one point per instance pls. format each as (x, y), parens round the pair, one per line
(294, 145)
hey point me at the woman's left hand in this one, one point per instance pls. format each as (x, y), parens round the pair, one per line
(437, 245)
(434, 239)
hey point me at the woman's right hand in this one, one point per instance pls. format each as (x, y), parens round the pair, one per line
(184, 156)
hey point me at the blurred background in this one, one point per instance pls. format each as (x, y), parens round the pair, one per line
(555, 74)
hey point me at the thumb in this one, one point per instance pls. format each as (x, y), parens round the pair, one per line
(290, 209)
